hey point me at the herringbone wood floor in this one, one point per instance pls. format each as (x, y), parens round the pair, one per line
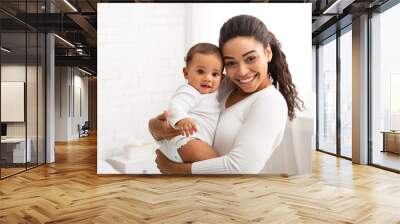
(70, 191)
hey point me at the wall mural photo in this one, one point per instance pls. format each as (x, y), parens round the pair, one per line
(204, 89)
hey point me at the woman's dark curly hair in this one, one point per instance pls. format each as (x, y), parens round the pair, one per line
(250, 26)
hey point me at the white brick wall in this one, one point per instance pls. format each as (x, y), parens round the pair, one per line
(140, 62)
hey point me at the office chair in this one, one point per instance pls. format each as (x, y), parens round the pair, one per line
(84, 130)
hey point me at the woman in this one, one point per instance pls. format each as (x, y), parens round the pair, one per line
(254, 113)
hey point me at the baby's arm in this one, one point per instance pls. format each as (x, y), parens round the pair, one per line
(181, 103)
(196, 150)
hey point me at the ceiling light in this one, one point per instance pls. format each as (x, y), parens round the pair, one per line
(84, 71)
(337, 7)
(70, 5)
(64, 40)
(5, 50)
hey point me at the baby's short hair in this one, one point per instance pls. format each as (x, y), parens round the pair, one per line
(202, 48)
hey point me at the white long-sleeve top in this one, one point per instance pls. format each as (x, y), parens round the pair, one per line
(247, 133)
(203, 109)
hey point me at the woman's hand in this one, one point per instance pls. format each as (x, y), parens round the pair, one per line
(160, 129)
(167, 166)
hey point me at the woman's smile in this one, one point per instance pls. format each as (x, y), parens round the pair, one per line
(248, 79)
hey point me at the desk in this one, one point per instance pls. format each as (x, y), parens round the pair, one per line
(391, 141)
(16, 148)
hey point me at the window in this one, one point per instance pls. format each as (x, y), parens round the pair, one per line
(385, 89)
(327, 96)
(346, 93)
(22, 77)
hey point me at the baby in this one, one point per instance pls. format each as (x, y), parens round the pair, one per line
(194, 108)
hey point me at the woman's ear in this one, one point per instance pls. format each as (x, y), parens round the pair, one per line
(268, 53)
(185, 72)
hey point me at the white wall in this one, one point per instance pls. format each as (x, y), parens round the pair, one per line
(67, 80)
(141, 51)
(82, 83)
(61, 103)
(140, 60)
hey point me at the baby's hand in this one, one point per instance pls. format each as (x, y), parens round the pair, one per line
(187, 127)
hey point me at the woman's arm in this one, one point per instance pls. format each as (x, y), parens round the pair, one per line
(160, 129)
(260, 133)
(167, 166)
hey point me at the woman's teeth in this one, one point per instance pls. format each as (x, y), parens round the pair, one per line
(247, 80)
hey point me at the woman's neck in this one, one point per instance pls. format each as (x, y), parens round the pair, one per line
(238, 95)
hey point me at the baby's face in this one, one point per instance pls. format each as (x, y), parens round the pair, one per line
(204, 72)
